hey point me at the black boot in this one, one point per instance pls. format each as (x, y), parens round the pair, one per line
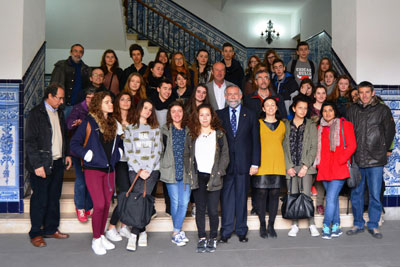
(271, 231)
(263, 230)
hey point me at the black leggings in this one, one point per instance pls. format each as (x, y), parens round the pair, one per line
(123, 184)
(206, 200)
(273, 200)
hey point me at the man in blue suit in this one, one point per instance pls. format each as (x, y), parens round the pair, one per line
(243, 134)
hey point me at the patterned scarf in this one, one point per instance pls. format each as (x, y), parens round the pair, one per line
(334, 136)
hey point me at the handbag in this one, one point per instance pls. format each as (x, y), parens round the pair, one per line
(135, 209)
(297, 206)
(355, 174)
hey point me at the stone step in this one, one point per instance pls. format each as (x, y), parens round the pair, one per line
(20, 223)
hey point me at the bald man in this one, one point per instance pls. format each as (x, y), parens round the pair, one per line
(216, 88)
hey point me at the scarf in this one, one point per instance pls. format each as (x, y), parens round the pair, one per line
(334, 137)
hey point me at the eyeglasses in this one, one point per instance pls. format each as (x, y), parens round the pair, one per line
(271, 57)
(59, 98)
(178, 58)
(98, 75)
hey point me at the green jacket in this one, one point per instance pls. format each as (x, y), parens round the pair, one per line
(309, 151)
(167, 162)
(221, 161)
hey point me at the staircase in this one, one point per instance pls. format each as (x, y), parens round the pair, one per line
(20, 223)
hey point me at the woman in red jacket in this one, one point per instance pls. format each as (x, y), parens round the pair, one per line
(331, 161)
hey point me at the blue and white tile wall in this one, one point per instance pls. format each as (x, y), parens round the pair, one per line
(17, 97)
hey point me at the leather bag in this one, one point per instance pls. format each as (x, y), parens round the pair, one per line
(297, 206)
(135, 209)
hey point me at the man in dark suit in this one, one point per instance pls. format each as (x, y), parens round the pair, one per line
(243, 134)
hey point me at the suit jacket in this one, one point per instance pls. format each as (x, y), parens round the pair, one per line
(245, 147)
(211, 94)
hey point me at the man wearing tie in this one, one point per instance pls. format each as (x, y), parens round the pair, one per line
(243, 134)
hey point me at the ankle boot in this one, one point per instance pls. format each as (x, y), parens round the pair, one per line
(271, 230)
(263, 230)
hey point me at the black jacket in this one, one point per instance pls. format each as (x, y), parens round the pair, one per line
(64, 74)
(254, 102)
(234, 73)
(374, 129)
(38, 135)
(128, 71)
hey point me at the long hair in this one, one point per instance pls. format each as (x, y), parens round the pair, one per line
(336, 92)
(277, 113)
(108, 126)
(117, 108)
(194, 122)
(174, 68)
(157, 58)
(169, 117)
(191, 103)
(250, 70)
(142, 89)
(269, 52)
(103, 61)
(148, 72)
(152, 120)
(320, 72)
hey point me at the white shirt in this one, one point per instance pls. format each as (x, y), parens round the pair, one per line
(219, 93)
(205, 151)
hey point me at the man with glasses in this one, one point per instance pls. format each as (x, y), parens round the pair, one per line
(96, 81)
(46, 157)
(73, 75)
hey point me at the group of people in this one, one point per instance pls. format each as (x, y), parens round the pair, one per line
(195, 130)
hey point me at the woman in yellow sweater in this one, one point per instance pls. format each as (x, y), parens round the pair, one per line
(272, 169)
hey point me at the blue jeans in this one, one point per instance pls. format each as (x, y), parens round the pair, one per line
(82, 197)
(179, 193)
(374, 177)
(332, 210)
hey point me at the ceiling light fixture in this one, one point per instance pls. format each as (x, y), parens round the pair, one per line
(270, 33)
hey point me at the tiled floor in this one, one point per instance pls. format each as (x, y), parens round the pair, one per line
(361, 250)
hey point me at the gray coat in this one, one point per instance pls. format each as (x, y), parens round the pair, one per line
(221, 161)
(167, 162)
(211, 94)
(309, 151)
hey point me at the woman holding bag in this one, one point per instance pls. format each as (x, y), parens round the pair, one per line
(300, 147)
(142, 144)
(331, 161)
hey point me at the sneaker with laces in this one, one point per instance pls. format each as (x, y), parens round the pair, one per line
(336, 230)
(211, 245)
(183, 236)
(293, 231)
(177, 240)
(125, 232)
(142, 239)
(326, 232)
(81, 215)
(106, 243)
(131, 246)
(98, 247)
(113, 235)
(202, 245)
(313, 230)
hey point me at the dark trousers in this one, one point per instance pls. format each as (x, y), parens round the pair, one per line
(139, 188)
(206, 200)
(166, 197)
(272, 196)
(45, 201)
(234, 204)
(122, 183)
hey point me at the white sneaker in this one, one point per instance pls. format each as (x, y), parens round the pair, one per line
(113, 235)
(131, 246)
(313, 230)
(98, 247)
(183, 236)
(125, 232)
(293, 231)
(142, 239)
(106, 244)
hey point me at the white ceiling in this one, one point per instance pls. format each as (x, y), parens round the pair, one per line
(283, 7)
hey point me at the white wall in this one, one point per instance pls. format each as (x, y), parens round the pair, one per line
(11, 14)
(242, 27)
(96, 24)
(312, 18)
(33, 30)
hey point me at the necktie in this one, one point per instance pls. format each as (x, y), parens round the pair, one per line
(233, 122)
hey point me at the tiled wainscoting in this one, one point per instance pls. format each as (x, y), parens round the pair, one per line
(17, 97)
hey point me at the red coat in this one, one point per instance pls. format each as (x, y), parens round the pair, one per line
(333, 165)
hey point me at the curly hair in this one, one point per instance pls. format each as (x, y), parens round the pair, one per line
(108, 126)
(194, 122)
(169, 117)
(152, 120)
(103, 64)
(117, 108)
(142, 89)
